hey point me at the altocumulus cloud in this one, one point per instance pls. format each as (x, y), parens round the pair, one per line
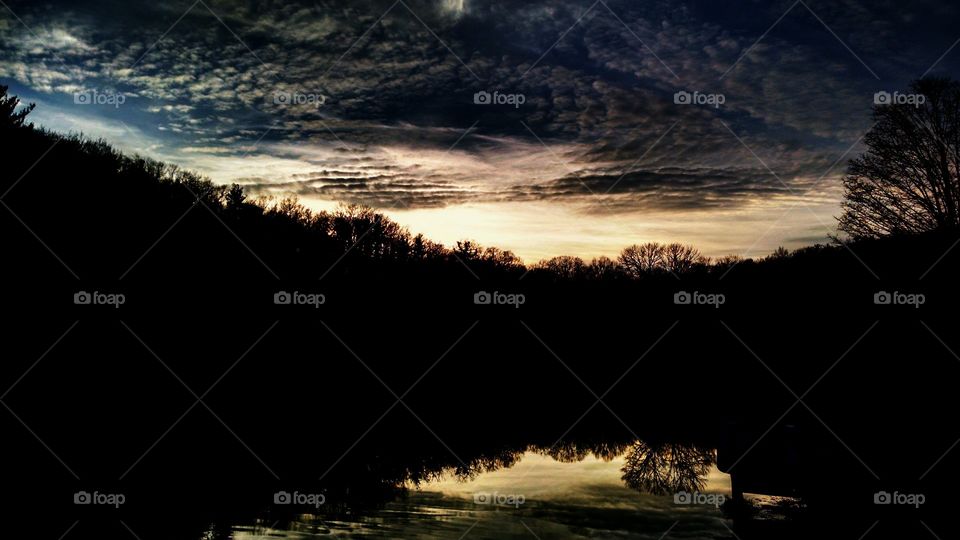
(374, 101)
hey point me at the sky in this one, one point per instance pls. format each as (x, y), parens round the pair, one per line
(546, 128)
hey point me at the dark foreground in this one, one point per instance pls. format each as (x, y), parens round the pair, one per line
(199, 398)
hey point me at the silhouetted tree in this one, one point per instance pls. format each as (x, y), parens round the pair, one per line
(362, 230)
(778, 254)
(9, 115)
(502, 259)
(422, 248)
(907, 181)
(654, 258)
(235, 197)
(563, 267)
(291, 209)
(467, 250)
(602, 268)
(727, 261)
(681, 258)
(639, 260)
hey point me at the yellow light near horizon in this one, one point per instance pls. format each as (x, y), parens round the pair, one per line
(537, 231)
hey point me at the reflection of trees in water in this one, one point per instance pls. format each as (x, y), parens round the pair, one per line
(565, 452)
(396, 471)
(573, 452)
(657, 469)
(667, 468)
(487, 463)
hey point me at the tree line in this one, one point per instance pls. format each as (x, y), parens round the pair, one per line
(905, 182)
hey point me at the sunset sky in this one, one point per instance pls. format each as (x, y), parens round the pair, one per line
(375, 102)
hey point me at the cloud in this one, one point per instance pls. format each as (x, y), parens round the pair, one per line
(383, 113)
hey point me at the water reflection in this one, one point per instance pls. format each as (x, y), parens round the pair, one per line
(571, 470)
(568, 491)
(667, 468)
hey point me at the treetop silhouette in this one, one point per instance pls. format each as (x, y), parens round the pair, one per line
(907, 180)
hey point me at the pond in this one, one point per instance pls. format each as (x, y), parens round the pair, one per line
(539, 496)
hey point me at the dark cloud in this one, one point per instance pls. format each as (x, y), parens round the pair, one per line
(598, 101)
